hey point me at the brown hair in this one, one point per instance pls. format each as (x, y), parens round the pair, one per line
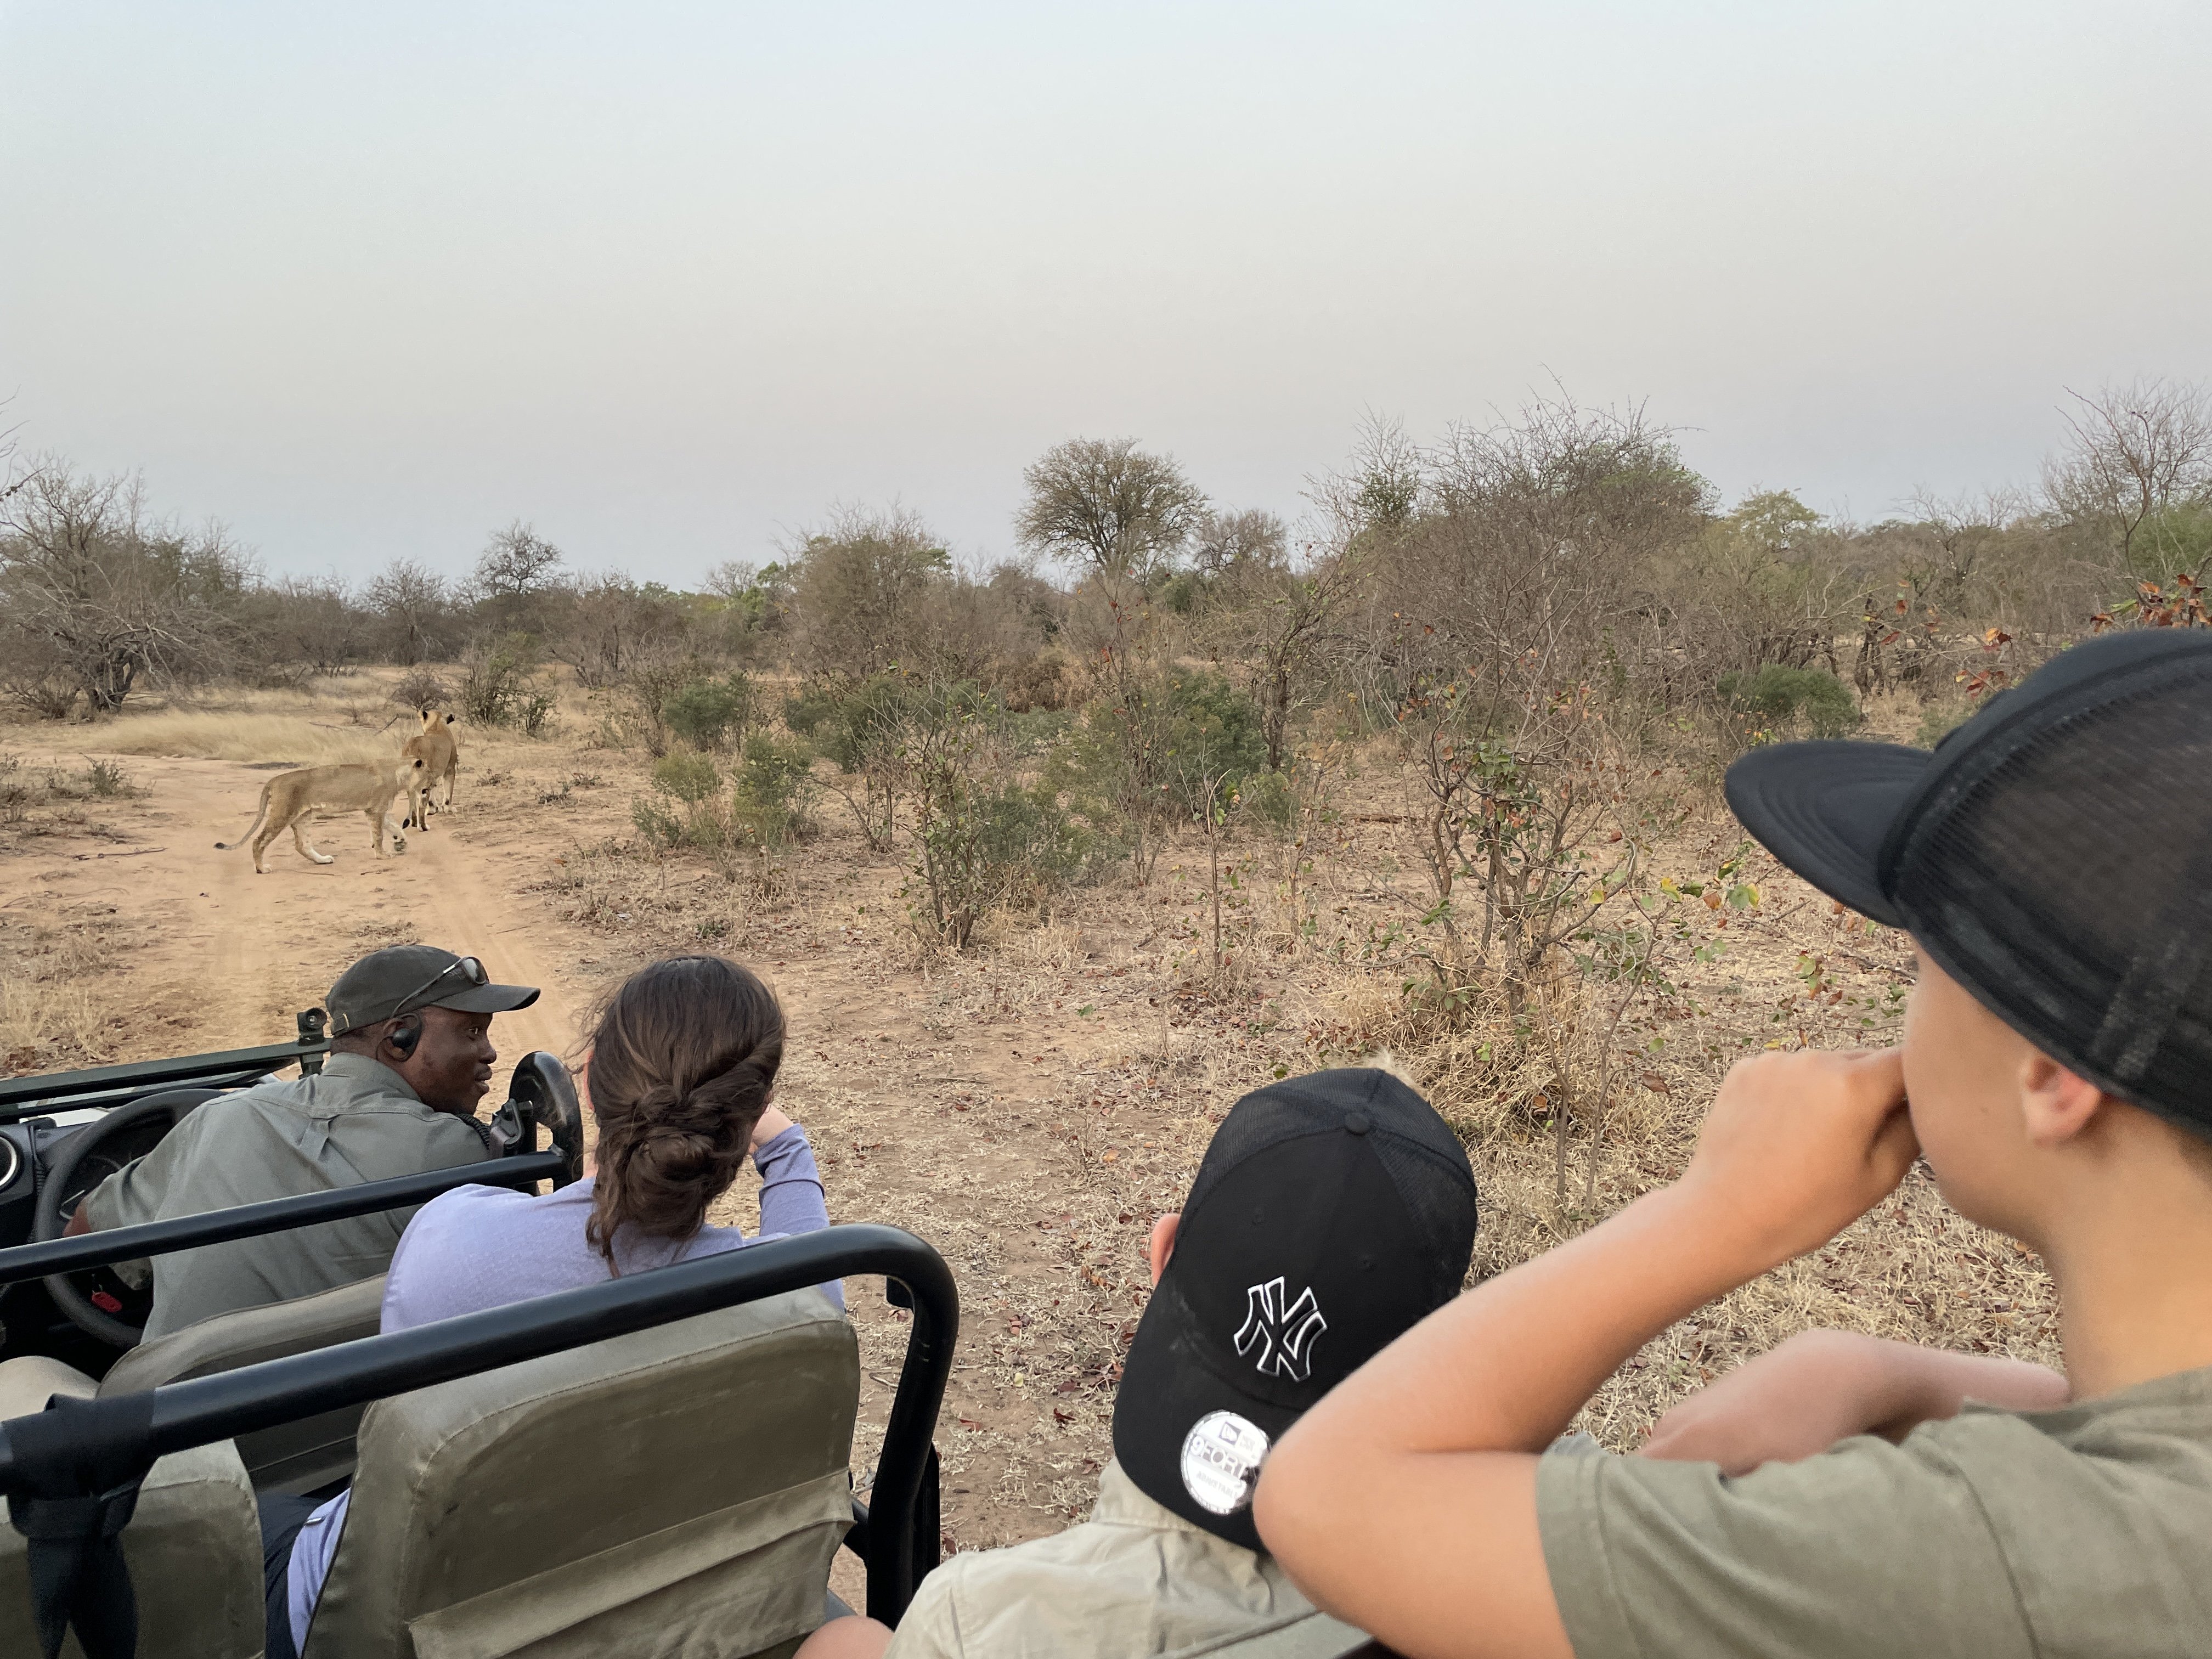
(683, 1055)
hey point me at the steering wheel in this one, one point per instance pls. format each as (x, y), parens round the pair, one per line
(111, 1308)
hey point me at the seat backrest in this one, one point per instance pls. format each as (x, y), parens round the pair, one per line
(193, 1545)
(294, 1457)
(679, 1490)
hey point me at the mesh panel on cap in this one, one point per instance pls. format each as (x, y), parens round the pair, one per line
(2065, 875)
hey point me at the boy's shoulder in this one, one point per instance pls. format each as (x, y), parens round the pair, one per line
(1996, 1533)
(1134, 1579)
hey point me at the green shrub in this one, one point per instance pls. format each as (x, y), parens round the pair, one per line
(689, 778)
(685, 809)
(711, 713)
(773, 798)
(1210, 736)
(1267, 798)
(1778, 695)
(982, 843)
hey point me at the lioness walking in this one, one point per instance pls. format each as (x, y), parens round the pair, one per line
(435, 747)
(290, 799)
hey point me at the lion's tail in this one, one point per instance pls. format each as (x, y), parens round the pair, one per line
(260, 813)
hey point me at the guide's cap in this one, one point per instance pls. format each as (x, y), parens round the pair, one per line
(1332, 1213)
(2053, 855)
(402, 978)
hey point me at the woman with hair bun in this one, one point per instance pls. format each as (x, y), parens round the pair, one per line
(679, 1074)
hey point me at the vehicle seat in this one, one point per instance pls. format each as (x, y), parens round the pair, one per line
(193, 1544)
(678, 1491)
(295, 1457)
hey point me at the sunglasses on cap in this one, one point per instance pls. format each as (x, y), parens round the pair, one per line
(468, 968)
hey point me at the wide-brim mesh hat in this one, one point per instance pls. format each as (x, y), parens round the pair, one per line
(2053, 855)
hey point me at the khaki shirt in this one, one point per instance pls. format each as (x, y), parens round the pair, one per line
(1134, 1581)
(358, 1120)
(2058, 1534)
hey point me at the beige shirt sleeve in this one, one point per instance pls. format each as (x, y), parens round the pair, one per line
(1866, 1552)
(930, 1628)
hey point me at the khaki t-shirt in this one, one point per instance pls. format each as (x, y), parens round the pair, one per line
(2082, 1531)
(358, 1120)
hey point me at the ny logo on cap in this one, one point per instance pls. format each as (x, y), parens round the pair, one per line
(1284, 1336)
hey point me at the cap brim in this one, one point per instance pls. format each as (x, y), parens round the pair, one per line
(487, 998)
(1825, 809)
(1167, 1386)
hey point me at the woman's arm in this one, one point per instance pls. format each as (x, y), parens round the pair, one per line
(790, 1199)
(1405, 1502)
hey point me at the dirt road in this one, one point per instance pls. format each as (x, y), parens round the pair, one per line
(1029, 1112)
(224, 957)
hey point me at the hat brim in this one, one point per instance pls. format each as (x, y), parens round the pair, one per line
(1825, 809)
(483, 999)
(1167, 1386)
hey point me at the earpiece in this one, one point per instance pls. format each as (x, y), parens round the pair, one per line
(404, 1035)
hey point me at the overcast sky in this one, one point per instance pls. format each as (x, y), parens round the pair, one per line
(670, 280)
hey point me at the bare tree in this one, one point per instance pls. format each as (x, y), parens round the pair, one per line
(515, 572)
(1110, 507)
(94, 596)
(413, 600)
(2135, 451)
(311, 622)
(1960, 531)
(1250, 539)
(862, 587)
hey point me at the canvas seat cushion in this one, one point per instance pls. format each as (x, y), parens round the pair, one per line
(679, 1490)
(295, 1457)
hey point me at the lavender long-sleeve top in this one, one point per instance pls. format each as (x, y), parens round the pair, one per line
(483, 1247)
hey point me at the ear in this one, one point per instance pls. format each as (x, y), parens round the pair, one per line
(1163, 1242)
(2055, 1104)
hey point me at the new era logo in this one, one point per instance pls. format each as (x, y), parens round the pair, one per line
(1284, 1336)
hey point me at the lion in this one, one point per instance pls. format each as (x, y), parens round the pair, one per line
(290, 799)
(441, 756)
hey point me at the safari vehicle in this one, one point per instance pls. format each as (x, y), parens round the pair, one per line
(656, 1464)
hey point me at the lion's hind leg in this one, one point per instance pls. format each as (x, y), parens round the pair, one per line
(299, 826)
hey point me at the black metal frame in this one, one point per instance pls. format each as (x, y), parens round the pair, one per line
(896, 1533)
(275, 1215)
(112, 1085)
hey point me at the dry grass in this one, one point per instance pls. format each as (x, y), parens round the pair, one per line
(1031, 1106)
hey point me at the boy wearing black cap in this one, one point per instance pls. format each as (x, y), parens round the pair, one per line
(1331, 1212)
(411, 1055)
(2052, 861)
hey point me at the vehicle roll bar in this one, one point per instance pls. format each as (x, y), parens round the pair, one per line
(110, 1086)
(901, 1542)
(274, 1215)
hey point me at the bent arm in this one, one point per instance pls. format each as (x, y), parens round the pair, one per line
(1405, 1503)
(792, 1199)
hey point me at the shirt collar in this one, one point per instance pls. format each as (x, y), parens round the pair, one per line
(377, 1077)
(1122, 1502)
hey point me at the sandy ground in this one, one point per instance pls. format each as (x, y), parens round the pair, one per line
(1028, 1108)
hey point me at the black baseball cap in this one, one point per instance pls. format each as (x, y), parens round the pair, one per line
(1331, 1213)
(402, 978)
(2053, 855)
